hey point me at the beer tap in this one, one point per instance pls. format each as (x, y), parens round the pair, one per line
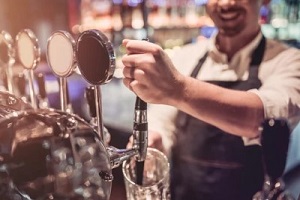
(7, 58)
(274, 141)
(140, 142)
(96, 62)
(29, 53)
(61, 59)
(43, 100)
(117, 156)
(93, 51)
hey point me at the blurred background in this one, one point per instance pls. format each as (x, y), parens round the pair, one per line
(170, 23)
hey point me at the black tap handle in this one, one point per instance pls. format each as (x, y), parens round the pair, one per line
(90, 97)
(21, 84)
(41, 84)
(275, 141)
(140, 104)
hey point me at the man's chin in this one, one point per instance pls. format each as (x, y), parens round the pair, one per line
(229, 32)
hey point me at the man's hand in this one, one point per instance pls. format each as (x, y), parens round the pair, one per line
(150, 74)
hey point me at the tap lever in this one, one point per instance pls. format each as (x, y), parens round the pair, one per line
(20, 81)
(41, 84)
(90, 97)
(42, 97)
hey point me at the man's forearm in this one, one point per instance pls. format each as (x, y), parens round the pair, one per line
(237, 112)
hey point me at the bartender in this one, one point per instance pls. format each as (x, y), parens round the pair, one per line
(210, 98)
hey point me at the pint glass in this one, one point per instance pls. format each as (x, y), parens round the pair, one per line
(155, 177)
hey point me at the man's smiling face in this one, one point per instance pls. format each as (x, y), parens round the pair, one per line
(232, 17)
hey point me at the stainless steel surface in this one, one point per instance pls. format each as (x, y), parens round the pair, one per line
(47, 153)
(9, 103)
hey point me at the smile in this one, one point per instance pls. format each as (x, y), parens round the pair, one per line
(229, 15)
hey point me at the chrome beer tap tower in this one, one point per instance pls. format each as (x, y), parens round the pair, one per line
(96, 61)
(48, 153)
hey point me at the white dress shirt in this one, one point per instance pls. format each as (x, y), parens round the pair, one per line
(279, 73)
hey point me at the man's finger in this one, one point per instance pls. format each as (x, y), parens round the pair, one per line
(140, 46)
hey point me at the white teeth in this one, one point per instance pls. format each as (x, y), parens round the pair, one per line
(228, 16)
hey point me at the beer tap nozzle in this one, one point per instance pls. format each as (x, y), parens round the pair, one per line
(118, 156)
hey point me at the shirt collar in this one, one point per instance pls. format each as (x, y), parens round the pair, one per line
(245, 52)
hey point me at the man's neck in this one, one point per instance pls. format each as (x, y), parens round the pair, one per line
(230, 45)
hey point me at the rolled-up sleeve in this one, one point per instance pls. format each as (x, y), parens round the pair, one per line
(280, 91)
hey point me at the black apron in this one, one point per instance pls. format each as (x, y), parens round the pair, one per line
(210, 164)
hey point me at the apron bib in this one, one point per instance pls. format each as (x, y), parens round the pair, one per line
(210, 164)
